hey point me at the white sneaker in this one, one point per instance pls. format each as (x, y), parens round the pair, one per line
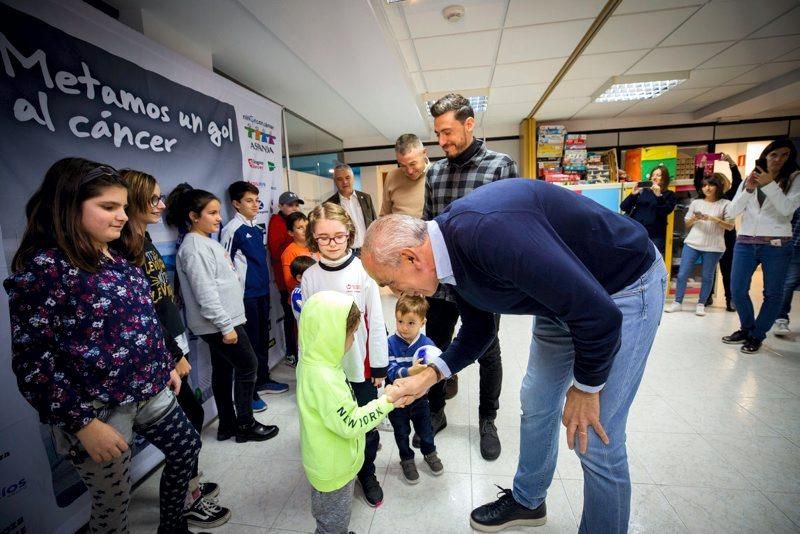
(781, 328)
(700, 310)
(674, 307)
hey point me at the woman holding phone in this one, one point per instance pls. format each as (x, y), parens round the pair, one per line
(650, 204)
(767, 199)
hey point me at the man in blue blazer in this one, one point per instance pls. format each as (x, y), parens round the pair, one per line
(595, 284)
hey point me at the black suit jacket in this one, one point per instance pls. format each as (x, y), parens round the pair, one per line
(366, 206)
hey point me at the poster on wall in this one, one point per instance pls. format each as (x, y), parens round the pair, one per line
(74, 82)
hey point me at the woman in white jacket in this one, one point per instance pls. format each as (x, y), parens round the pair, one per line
(767, 198)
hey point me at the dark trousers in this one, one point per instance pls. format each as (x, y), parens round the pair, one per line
(193, 410)
(256, 310)
(365, 392)
(442, 318)
(418, 413)
(289, 325)
(725, 264)
(233, 378)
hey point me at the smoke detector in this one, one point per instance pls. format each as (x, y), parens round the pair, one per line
(453, 13)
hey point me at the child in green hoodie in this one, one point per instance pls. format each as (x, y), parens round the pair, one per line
(332, 425)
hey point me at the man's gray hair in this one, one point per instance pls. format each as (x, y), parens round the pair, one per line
(344, 167)
(406, 143)
(390, 234)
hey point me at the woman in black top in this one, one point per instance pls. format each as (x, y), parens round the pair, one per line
(652, 205)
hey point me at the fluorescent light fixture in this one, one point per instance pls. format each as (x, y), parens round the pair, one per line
(478, 103)
(639, 87)
(394, 1)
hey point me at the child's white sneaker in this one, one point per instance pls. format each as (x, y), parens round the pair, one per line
(700, 310)
(674, 307)
(781, 328)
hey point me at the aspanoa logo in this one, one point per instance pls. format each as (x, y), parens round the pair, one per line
(259, 133)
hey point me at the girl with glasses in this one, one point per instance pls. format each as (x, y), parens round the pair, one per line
(330, 232)
(87, 347)
(145, 206)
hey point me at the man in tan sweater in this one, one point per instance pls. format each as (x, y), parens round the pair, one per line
(404, 187)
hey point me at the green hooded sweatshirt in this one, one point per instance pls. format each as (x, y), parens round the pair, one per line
(332, 425)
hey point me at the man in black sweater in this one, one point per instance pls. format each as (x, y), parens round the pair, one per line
(596, 285)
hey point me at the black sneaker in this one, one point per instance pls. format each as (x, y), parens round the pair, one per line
(506, 512)
(737, 338)
(750, 346)
(206, 513)
(373, 493)
(208, 489)
(438, 422)
(490, 441)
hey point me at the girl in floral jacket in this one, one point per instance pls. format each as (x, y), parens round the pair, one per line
(88, 350)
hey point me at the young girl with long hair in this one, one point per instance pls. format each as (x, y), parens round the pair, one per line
(767, 199)
(707, 220)
(145, 205)
(214, 301)
(87, 347)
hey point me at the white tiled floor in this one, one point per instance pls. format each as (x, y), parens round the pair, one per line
(714, 444)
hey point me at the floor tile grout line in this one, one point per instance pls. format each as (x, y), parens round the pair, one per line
(778, 507)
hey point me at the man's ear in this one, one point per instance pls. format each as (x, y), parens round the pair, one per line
(469, 123)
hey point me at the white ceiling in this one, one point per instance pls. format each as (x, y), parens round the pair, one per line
(360, 68)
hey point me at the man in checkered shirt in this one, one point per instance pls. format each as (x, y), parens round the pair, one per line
(468, 165)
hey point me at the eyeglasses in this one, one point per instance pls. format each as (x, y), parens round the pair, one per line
(97, 172)
(156, 199)
(326, 240)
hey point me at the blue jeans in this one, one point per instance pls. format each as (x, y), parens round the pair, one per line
(607, 485)
(774, 263)
(688, 258)
(419, 413)
(791, 285)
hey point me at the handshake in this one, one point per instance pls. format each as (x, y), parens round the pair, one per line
(405, 390)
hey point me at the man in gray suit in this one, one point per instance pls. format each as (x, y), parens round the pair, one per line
(357, 204)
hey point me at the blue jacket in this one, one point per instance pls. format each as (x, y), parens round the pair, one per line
(527, 247)
(245, 244)
(401, 355)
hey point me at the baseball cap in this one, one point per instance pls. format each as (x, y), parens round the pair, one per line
(289, 198)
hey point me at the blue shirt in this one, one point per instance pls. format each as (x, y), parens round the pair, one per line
(245, 244)
(527, 247)
(402, 354)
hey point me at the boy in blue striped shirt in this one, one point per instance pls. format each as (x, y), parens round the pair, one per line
(409, 351)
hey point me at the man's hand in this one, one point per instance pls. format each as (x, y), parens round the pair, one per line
(102, 441)
(378, 382)
(581, 411)
(174, 382)
(231, 338)
(392, 395)
(183, 367)
(414, 387)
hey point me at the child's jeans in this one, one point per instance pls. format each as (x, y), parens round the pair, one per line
(689, 256)
(162, 422)
(418, 413)
(331, 509)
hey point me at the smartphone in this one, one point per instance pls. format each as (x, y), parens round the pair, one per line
(646, 184)
(761, 164)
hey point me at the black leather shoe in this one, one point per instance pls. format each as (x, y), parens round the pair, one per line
(750, 346)
(490, 441)
(224, 434)
(506, 512)
(737, 338)
(438, 422)
(255, 432)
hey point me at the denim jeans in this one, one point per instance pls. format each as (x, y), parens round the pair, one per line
(233, 378)
(688, 258)
(774, 263)
(256, 310)
(607, 485)
(418, 413)
(791, 285)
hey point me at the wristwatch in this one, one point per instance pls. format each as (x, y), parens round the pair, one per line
(439, 374)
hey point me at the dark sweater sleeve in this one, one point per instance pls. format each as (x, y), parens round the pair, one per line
(535, 261)
(665, 204)
(629, 203)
